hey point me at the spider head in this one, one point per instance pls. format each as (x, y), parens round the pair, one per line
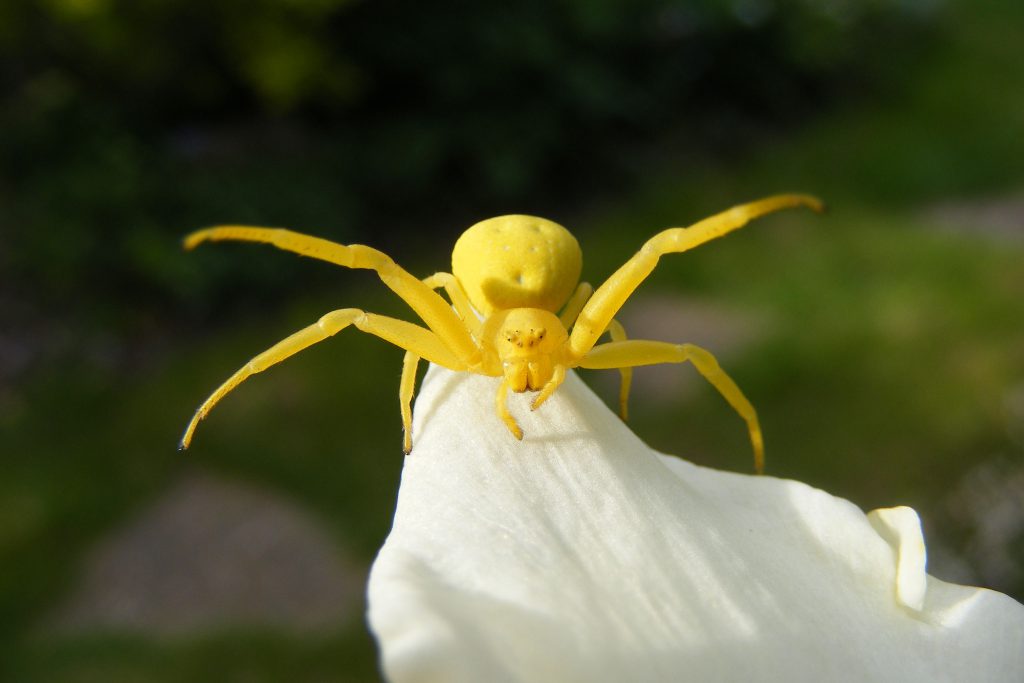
(525, 339)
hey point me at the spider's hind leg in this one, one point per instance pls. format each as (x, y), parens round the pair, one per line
(618, 333)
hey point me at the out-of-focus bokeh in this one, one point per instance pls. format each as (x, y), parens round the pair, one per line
(883, 344)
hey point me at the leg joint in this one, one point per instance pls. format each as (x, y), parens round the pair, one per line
(335, 321)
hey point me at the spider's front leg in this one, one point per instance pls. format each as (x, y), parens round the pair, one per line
(640, 352)
(416, 340)
(428, 304)
(608, 299)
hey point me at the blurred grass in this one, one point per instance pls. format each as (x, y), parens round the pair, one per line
(893, 349)
(225, 658)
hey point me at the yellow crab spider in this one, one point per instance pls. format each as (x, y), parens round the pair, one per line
(511, 276)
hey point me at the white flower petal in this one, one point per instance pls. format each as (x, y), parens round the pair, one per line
(901, 529)
(579, 554)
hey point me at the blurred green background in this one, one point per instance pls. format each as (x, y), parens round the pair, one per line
(883, 344)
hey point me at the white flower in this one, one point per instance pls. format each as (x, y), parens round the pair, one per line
(579, 554)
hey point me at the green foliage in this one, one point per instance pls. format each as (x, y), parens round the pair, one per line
(601, 60)
(233, 657)
(163, 58)
(126, 123)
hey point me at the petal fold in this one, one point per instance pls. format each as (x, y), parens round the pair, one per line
(900, 527)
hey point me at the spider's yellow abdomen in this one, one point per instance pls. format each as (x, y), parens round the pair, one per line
(517, 262)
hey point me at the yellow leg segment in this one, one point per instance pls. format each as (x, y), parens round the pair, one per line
(502, 409)
(459, 299)
(639, 352)
(410, 363)
(427, 303)
(615, 329)
(572, 308)
(405, 393)
(608, 299)
(423, 343)
(618, 333)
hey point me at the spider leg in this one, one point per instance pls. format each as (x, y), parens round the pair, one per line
(459, 299)
(502, 409)
(615, 329)
(410, 363)
(610, 296)
(427, 303)
(405, 392)
(639, 352)
(618, 333)
(413, 338)
(572, 308)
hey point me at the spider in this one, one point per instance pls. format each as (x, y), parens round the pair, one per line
(517, 310)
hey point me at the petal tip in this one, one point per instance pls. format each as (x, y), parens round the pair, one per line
(900, 527)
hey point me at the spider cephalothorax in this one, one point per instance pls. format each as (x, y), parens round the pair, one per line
(517, 309)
